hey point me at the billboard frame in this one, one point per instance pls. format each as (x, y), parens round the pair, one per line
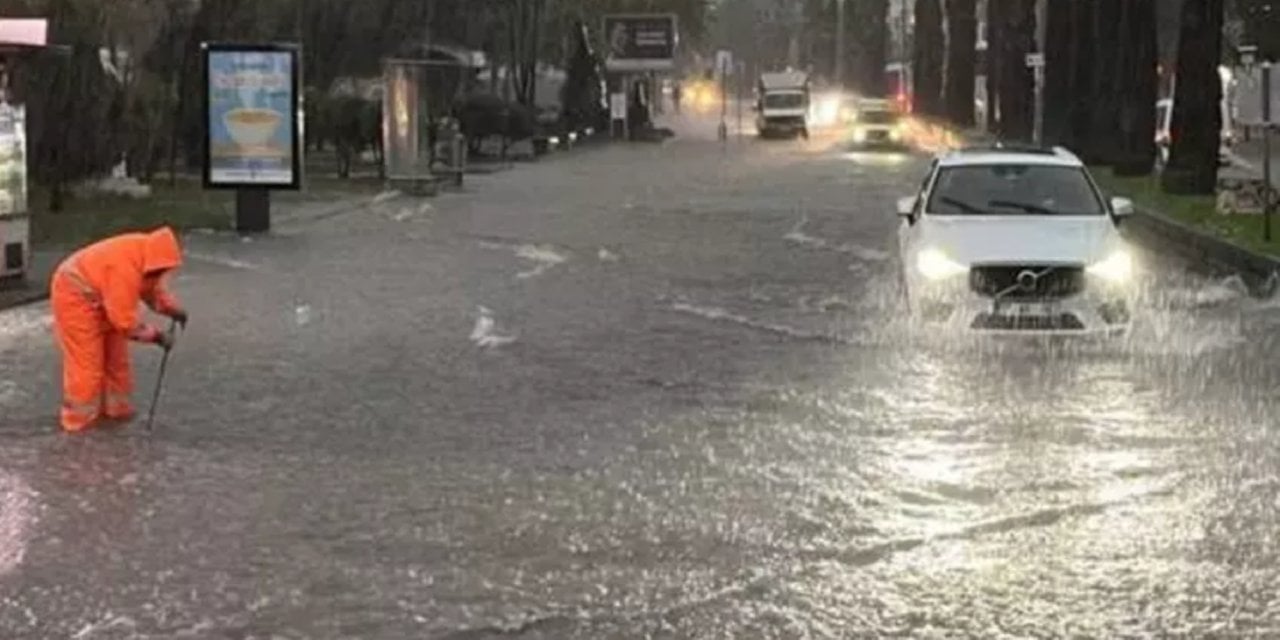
(295, 100)
(640, 65)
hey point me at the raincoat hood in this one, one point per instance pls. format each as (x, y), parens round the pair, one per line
(161, 252)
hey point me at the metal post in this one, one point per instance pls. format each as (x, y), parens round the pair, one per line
(253, 210)
(1039, 115)
(839, 61)
(1266, 152)
(724, 102)
(740, 80)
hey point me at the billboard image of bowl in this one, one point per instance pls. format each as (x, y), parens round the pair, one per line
(252, 126)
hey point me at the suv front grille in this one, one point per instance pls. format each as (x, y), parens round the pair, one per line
(1053, 281)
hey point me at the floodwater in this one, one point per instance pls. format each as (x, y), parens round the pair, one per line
(644, 392)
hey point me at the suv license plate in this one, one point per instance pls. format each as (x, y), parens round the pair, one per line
(1024, 309)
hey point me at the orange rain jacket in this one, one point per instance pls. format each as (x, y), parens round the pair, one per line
(95, 294)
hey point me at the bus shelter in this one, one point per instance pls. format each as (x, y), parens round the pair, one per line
(421, 139)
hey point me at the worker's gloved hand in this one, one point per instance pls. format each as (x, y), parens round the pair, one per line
(152, 335)
(164, 340)
(179, 316)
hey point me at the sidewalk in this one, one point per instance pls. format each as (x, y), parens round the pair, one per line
(1247, 158)
(36, 287)
(45, 258)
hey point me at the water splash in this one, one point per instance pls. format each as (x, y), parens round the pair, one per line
(485, 334)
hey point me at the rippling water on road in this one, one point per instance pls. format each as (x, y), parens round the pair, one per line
(685, 407)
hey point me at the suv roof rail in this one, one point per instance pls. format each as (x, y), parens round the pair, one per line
(1015, 147)
(1063, 152)
(1019, 147)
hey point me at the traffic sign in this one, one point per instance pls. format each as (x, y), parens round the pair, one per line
(1035, 59)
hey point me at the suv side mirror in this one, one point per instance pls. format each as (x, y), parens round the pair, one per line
(907, 206)
(1121, 207)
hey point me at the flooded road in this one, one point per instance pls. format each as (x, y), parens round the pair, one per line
(644, 392)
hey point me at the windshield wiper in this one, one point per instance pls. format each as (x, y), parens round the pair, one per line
(1024, 206)
(961, 204)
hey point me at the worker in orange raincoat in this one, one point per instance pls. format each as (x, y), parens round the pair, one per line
(95, 294)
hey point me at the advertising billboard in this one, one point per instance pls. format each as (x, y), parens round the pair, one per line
(253, 131)
(640, 42)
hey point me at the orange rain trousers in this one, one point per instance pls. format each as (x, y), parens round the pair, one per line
(95, 295)
(97, 378)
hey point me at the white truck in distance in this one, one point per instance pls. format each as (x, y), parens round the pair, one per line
(782, 104)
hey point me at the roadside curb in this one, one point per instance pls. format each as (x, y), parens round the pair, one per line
(1160, 233)
(22, 297)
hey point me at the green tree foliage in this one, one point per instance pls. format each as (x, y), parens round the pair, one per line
(82, 119)
(582, 94)
(73, 107)
(1261, 22)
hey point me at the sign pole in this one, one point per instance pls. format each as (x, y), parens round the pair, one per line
(1267, 126)
(1036, 62)
(741, 79)
(724, 102)
(253, 210)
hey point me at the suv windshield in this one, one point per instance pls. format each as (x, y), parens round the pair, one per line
(1014, 189)
(879, 117)
(784, 100)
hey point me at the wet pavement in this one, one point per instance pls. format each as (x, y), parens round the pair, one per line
(643, 391)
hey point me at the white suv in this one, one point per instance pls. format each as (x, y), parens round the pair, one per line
(1015, 240)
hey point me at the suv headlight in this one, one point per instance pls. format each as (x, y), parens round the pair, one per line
(1117, 267)
(935, 265)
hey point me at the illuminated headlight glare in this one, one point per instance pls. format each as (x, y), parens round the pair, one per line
(859, 135)
(935, 265)
(895, 134)
(1117, 267)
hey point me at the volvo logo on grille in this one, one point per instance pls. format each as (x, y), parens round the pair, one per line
(1027, 280)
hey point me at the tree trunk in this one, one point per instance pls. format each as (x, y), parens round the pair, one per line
(1102, 144)
(927, 57)
(1197, 118)
(869, 31)
(1017, 84)
(995, 37)
(962, 25)
(1059, 89)
(1137, 117)
(1083, 70)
